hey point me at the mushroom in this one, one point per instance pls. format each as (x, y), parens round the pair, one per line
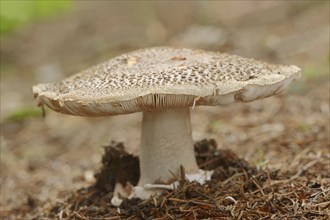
(164, 83)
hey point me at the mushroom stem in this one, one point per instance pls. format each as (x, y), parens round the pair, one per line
(166, 144)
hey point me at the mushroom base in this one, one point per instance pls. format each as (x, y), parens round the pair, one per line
(166, 144)
(144, 192)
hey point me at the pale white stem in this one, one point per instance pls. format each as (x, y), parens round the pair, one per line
(166, 143)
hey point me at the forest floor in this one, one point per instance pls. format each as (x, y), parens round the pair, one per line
(272, 154)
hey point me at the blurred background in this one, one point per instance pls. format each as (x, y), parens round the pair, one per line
(45, 41)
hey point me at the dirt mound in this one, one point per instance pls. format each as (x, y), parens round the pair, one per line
(237, 190)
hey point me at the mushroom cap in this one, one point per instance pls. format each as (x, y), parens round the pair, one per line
(164, 77)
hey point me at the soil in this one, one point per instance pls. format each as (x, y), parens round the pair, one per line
(271, 157)
(236, 190)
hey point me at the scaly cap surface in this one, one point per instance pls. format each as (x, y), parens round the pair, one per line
(164, 77)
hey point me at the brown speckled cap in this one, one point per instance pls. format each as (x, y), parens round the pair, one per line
(164, 77)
